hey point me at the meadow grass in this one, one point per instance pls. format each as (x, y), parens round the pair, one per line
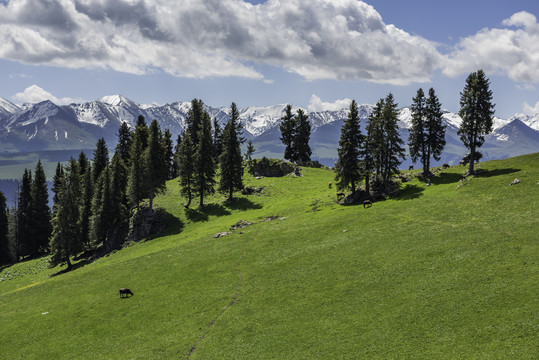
(442, 271)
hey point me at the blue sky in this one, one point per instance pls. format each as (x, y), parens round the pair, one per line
(310, 53)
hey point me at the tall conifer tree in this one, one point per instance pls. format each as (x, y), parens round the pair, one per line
(288, 133)
(118, 183)
(56, 184)
(347, 167)
(40, 212)
(66, 239)
(186, 167)
(136, 190)
(435, 128)
(230, 161)
(102, 214)
(372, 151)
(417, 139)
(204, 180)
(101, 159)
(217, 139)
(168, 148)
(393, 143)
(302, 150)
(476, 111)
(123, 147)
(156, 167)
(24, 215)
(194, 119)
(4, 244)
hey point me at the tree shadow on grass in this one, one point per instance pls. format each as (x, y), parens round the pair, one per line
(242, 204)
(174, 225)
(203, 214)
(446, 178)
(74, 266)
(496, 172)
(410, 192)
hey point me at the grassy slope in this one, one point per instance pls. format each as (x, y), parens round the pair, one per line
(439, 272)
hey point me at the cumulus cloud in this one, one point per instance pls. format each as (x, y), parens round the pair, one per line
(35, 94)
(530, 110)
(512, 51)
(317, 39)
(316, 104)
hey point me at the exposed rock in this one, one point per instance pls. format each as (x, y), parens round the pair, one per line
(516, 181)
(144, 223)
(240, 225)
(221, 234)
(297, 171)
(271, 167)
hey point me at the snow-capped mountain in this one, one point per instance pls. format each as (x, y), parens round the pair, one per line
(47, 126)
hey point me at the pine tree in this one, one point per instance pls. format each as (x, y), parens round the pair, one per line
(169, 154)
(417, 139)
(203, 158)
(24, 215)
(123, 147)
(65, 239)
(87, 191)
(142, 129)
(217, 139)
(230, 161)
(302, 150)
(56, 184)
(118, 184)
(249, 154)
(176, 163)
(394, 153)
(40, 212)
(347, 167)
(194, 119)
(101, 159)
(435, 128)
(155, 165)
(476, 111)
(84, 164)
(102, 215)
(371, 151)
(4, 244)
(186, 167)
(136, 190)
(288, 133)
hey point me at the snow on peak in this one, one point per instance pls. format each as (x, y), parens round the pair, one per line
(117, 100)
(8, 107)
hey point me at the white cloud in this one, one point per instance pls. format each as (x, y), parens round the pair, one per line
(508, 51)
(530, 110)
(35, 94)
(316, 104)
(317, 39)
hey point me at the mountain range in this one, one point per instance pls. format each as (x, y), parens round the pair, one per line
(47, 126)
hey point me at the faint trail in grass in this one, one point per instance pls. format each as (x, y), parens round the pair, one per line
(233, 301)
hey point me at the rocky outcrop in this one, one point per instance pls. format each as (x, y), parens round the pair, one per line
(143, 223)
(271, 167)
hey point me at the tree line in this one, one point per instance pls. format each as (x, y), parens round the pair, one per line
(92, 198)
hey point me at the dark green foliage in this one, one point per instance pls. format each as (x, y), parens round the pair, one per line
(118, 184)
(155, 165)
(435, 127)
(194, 119)
(427, 134)
(101, 159)
(217, 139)
(175, 163)
(123, 147)
(87, 191)
(302, 134)
(230, 161)
(56, 183)
(203, 159)
(102, 209)
(65, 239)
(368, 148)
(40, 212)
(249, 154)
(347, 168)
(142, 129)
(476, 111)
(84, 164)
(186, 167)
(288, 128)
(136, 190)
(169, 154)
(4, 245)
(24, 216)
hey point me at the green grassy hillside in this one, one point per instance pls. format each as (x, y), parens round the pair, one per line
(440, 272)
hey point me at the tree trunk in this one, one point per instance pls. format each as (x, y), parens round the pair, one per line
(367, 185)
(201, 204)
(69, 265)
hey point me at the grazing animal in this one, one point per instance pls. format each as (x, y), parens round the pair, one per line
(411, 167)
(462, 163)
(367, 203)
(340, 195)
(445, 166)
(329, 184)
(126, 292)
